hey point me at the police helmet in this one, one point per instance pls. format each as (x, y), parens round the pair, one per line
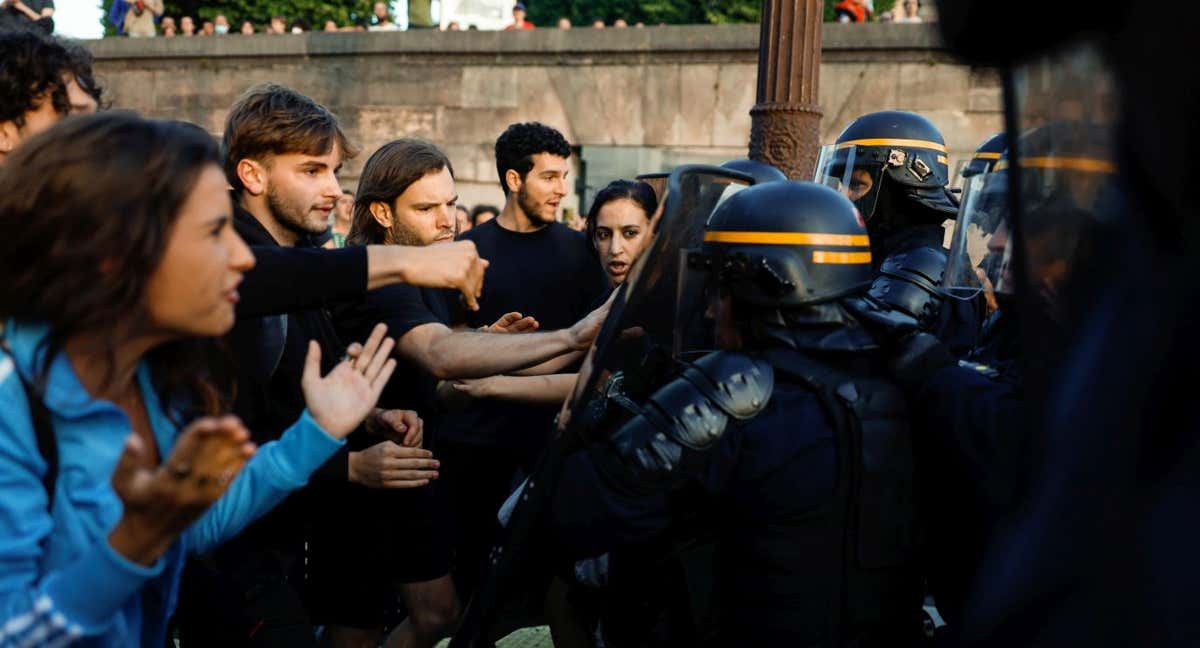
(785, 244)
(892, 147)
(760, 171)
(985, 156)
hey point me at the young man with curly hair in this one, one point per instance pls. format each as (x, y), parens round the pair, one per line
(42, 80)
(541, 269)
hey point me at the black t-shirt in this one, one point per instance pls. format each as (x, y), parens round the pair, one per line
(402, 307)
(551, 275)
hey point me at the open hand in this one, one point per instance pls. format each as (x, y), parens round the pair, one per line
(343, 398)
(160, 502)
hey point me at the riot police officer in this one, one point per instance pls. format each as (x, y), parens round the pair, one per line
(975, 440)
(893, 165)
(786, 442)
(985, 157)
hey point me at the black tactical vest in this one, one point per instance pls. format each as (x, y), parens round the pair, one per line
(877, 599)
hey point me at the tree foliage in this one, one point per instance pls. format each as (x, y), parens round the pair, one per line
(651, 12)
(259, 12)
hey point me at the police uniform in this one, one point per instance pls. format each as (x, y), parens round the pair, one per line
(794, 452)
(894, 166)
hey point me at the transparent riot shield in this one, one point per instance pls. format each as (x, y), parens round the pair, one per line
(979, 247)
(1064, 182)
(657, 182)
(640, 338)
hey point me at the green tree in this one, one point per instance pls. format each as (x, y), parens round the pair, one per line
(651, 12)
(259, 12)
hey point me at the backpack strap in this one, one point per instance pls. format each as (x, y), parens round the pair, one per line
(43, 429)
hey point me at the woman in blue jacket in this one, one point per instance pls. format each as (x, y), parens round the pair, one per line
(118, 274)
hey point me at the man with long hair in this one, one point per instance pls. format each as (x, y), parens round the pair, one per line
(282, 152)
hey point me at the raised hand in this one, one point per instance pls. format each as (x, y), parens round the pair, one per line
(160, 502)
(343, 398)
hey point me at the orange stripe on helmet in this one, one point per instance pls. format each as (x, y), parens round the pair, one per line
(886, 141)
(842, 258)
(787, 238)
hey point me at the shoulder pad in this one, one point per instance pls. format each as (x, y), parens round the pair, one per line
(693, 410)
(909, 281)
(738, 383)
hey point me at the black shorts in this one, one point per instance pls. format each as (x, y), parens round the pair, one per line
(364, 544)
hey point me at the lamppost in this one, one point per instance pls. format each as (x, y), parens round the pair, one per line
(785, 121)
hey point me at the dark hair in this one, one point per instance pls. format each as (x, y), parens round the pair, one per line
(388, 173)
(273, 120)
(517, 145)
(640, 193)
(82, 241)
(31, 66)
(483, 209)
(81, 68)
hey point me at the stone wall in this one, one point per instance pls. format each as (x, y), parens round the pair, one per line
(633, 100)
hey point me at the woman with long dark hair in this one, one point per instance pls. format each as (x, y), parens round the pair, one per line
(118, 273)
(618, 227)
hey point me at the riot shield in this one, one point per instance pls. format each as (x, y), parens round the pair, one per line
(657, 182)
(630, 357)
(640, 340)
(1064, 185)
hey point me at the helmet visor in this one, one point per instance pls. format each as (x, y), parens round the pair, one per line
(856, 177)
(980, 248)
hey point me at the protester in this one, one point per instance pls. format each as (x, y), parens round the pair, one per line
(407, 196)
(282, 153)
(462, 218)
(564, 23)
(539, 268)
(339, 221)
(187, 26)
(169, 27)
(84, 361)
(597, 23)
(247, 28)
(620, 23)
(46, 81)
(278, 25)
(330, 26)
(207, 28)
(453, 25)
(221, 24)
(483, 213)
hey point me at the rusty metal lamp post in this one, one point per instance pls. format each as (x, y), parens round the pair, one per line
(785, 121)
